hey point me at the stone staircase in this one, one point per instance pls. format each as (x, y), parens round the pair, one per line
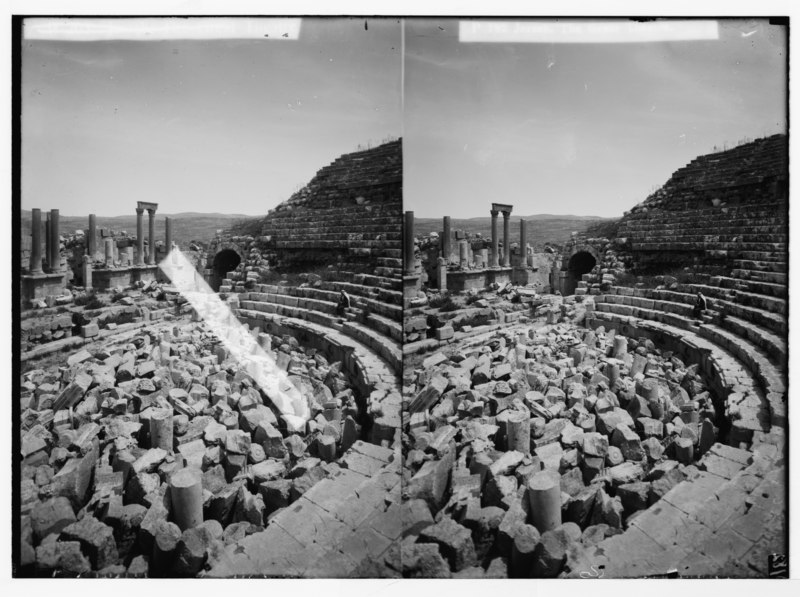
(724, 520)
(349, 213)
(372, 320)
(722, 208)
(340, 528)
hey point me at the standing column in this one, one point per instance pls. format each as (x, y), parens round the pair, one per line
(408, 244)
(35, 265)
(92, 238)
(151, 239)
(87, 272)
(446, 238)
(506, 239)
(55, 242)
(109, 252)
(48, 250)
(139, 237)
(523, 243)
(495, 243)
(168, 240)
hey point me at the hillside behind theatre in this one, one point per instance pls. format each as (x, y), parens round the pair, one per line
(186, 226)
(718, 210)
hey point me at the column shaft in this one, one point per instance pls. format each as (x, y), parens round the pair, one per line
(92, 238)
(523, 243)
(151, 239)
(139, 237)
(55, 243)
(446, 238)
(506, 240)
(168, 239)
(48, 250)
(495, 241)
(35, 265)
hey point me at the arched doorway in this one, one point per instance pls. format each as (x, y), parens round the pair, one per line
(225, 261)
(582, 262)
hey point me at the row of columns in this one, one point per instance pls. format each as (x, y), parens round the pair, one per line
(506, 238)
(52, 242)
(151, 254)
(408, 240)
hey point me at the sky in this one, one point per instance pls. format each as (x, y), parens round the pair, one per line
(576, 128)
(233, 126)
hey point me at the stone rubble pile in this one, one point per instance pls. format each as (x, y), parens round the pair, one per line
(60, 318)
(147, 459)
(523, 450)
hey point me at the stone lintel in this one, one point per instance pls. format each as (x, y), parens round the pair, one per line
(51, 276)
(506, 209)
(146, 205)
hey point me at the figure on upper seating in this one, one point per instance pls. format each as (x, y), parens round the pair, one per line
(344, 303)
(700, 305)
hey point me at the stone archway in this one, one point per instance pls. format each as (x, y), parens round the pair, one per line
(581, 262)
(225, 260)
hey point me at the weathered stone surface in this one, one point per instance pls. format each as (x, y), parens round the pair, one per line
(454, 541)
(96, 540)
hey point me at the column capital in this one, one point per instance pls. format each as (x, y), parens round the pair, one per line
(506, 214)
(494, 212)
(151, 211)
(139, 211)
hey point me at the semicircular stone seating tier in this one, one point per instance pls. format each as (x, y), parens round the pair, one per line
(726, 519)
(348, 215)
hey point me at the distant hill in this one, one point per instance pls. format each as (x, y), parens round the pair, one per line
(186, 226)
(542, 228)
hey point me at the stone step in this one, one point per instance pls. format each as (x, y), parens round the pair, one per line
(772, 321)
(389, 272)
(750, 407)
(771, 343)
(697, 220)
(372, 370)
(390, 262)
(767, 352)
(384, 345)
(767, 303)
(342, 243)
(368, 279)
(720, 521)
(336, 529)
(386, 326)
(769, 375)
(770, 256)
(372, 297)
(761, 276)
(753, 286)
(756, 265)
(390, 351)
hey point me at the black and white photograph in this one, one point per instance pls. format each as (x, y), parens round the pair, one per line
(344, 301)
(210, 296)
(596, 386)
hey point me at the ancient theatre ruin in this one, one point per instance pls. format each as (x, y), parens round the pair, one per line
(149, 447)
(624, 413)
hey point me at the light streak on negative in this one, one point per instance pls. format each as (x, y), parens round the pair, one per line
(272, 380)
